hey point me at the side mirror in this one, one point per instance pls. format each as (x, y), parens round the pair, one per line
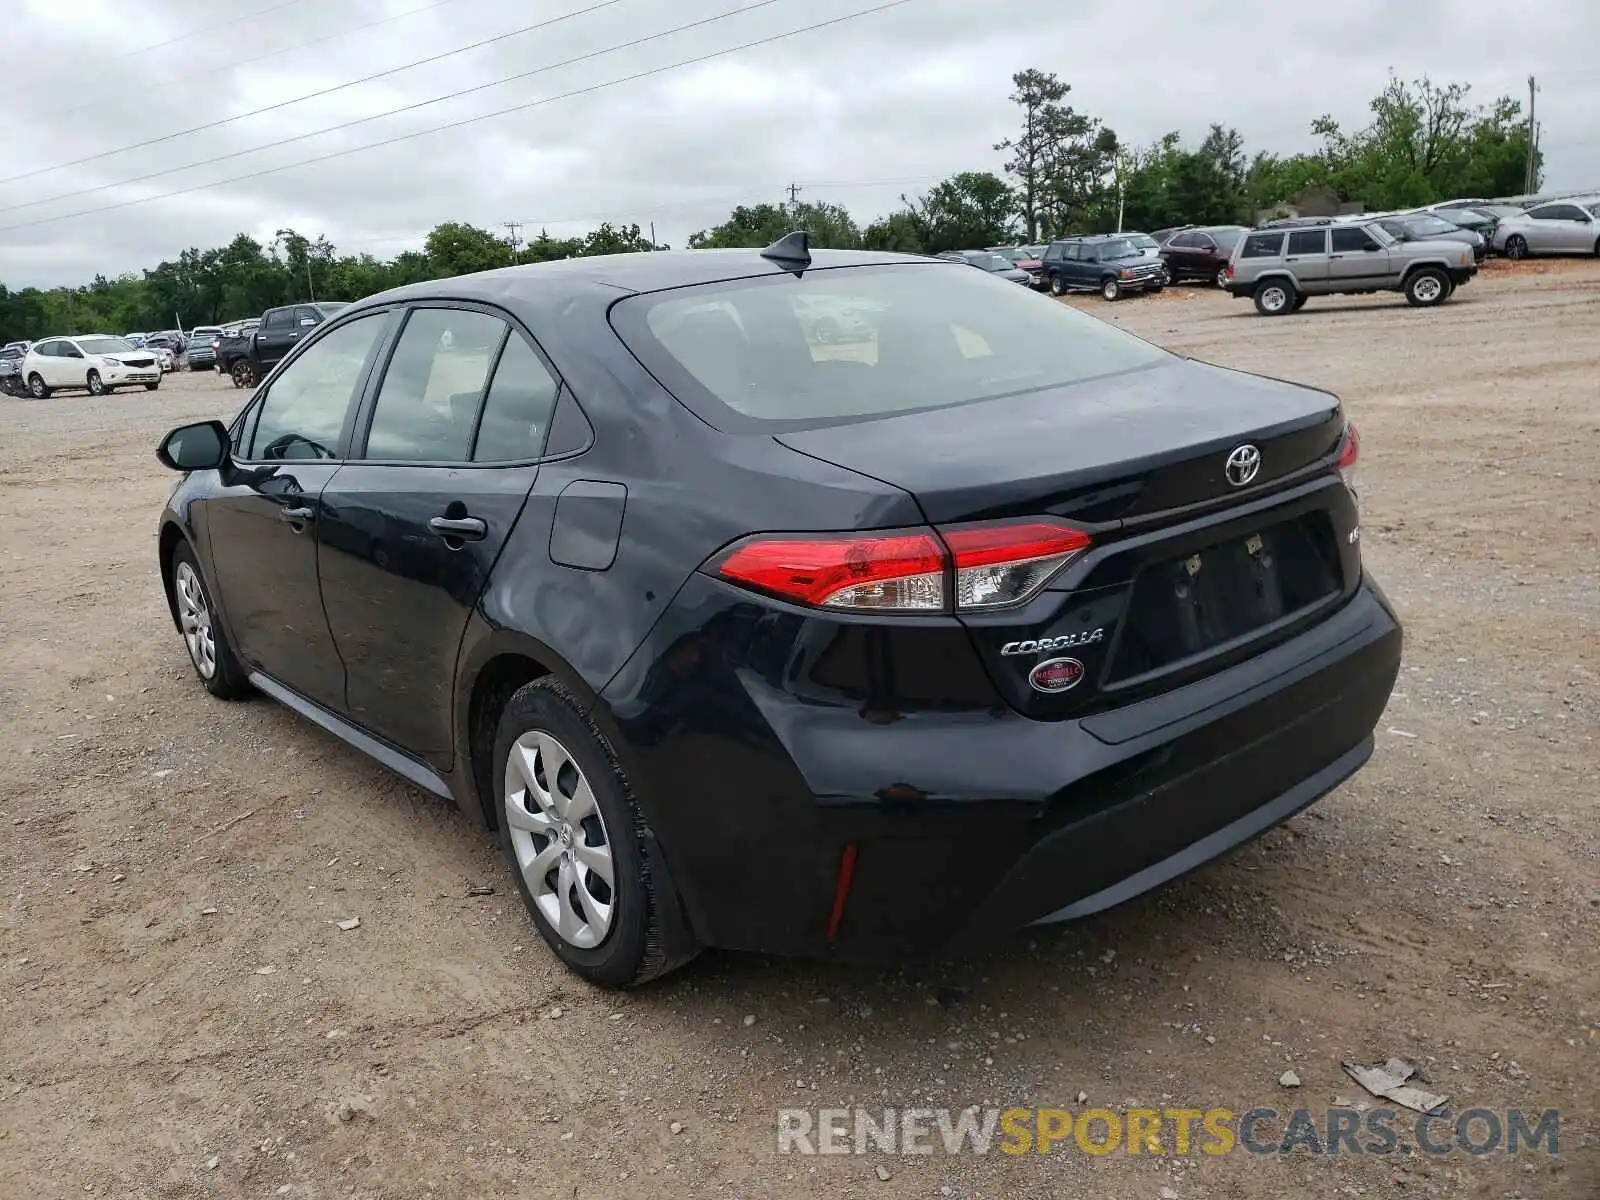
(199, 447)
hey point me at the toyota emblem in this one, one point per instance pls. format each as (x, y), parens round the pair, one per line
(1242, 465)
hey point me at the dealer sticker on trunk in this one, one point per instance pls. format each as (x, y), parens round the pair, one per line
(1056, 675)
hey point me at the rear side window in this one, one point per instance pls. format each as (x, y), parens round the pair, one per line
(277, 318)
(428, 402)
(516, 416)
(1349, 240)
(1308, 241)
(745, 354)
(1262, 245)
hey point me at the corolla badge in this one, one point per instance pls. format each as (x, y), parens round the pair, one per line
(1056, 675)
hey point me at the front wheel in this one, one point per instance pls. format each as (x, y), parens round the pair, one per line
(36, 387)
(1516, 247)
(209, 652)
(1273, 299)
(576, 840)
(150, 387)
(1428, 287)
(96, 385)
(243, 373)
(1111, 290)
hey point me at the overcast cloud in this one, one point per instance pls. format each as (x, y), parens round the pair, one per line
(856, 113)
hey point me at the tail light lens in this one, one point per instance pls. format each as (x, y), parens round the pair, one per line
(973, 567)
(900, 572)
(997, 565)
(1349, 454)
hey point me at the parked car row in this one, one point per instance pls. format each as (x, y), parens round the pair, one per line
(97, 363)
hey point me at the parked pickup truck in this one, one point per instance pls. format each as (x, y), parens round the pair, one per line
(247, 357)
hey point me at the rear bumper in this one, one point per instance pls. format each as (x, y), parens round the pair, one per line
(966, 825)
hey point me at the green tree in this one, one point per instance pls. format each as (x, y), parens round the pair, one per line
(900, 232)
(455, 248)
(831, 227)
(1039, 94)
(968, 210)
(611, 240)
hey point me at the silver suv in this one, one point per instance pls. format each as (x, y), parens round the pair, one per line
(1281, 268)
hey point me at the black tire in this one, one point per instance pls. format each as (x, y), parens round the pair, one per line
(150, 387)
(1110, 290)
(243, 374)
(633, 950)
(96, 385)
(1275, 297)
(1516, 247)
(1157, 289)
(1426, 287)
(1057, 288)
(1221, 278)
(1299, 301)
(228, 679)
(37, 388)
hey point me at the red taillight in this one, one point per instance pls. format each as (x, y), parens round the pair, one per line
(998, 565)
(902, 571)
(1349, 453)
(990, 565)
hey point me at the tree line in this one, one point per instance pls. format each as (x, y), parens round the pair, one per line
(1064, 172)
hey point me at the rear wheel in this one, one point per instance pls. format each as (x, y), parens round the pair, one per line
(1111, 290)
(1221, 278)
(36, 387)
(1056, 286)
(1299, 301)
(1516, 246)
(576, 840)
(243, 373)
(1274, 298)
(213, 659)
(1427, 287)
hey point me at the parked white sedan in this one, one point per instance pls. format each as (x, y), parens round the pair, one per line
(1561, 227)
(94, 362)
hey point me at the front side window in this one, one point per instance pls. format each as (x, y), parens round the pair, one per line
(304, 409)
(428, 402)
(1346, 240)
(278, 318)
(738, 355)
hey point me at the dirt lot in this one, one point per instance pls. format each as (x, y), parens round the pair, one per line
(180, 1015)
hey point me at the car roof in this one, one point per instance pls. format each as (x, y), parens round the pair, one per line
(624, 274)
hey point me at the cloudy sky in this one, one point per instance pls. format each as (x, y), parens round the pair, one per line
(855, 113)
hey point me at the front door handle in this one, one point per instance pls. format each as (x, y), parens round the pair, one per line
(297, 515)
(462, 529)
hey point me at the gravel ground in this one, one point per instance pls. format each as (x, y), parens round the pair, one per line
(181, 1016)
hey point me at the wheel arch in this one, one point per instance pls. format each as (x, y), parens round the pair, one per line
(1275, 275)
(1420, 264)
(171, 536)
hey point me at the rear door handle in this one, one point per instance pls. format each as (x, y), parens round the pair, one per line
(465, 529)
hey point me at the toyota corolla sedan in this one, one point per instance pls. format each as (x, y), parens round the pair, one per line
(736, 636)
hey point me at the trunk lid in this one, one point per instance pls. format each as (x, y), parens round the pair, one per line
(1105, 450)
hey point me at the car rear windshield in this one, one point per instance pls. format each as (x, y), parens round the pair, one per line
(861, 342)
(1227, 238)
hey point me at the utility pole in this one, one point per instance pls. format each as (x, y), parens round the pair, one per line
(794, 194)
(1533, 135)
(513, 238)
(652, 235)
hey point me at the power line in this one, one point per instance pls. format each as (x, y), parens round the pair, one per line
(194, 33)
(405, 137)
(235, 64)
(351, 124)
(327, 91)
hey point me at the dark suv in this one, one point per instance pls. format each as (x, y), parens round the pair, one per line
(1201, 253)
(740, 637)
(1106, 263)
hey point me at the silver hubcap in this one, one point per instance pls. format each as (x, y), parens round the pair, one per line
(1109, 291)
(560, 840)
(1274, 298)
(1222, 278)
(1427, 288)
(194, 617)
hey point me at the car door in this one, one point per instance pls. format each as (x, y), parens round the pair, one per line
(1052, 261)
(262, 525)
(1208, 260)
(413, 523)
(1178, 252)
(69, 366)
(276, 337)
(1355, 259)
(1072, 256)
(1307, 256)
(1565, 229)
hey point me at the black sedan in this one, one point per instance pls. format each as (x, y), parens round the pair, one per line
(740, 638)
